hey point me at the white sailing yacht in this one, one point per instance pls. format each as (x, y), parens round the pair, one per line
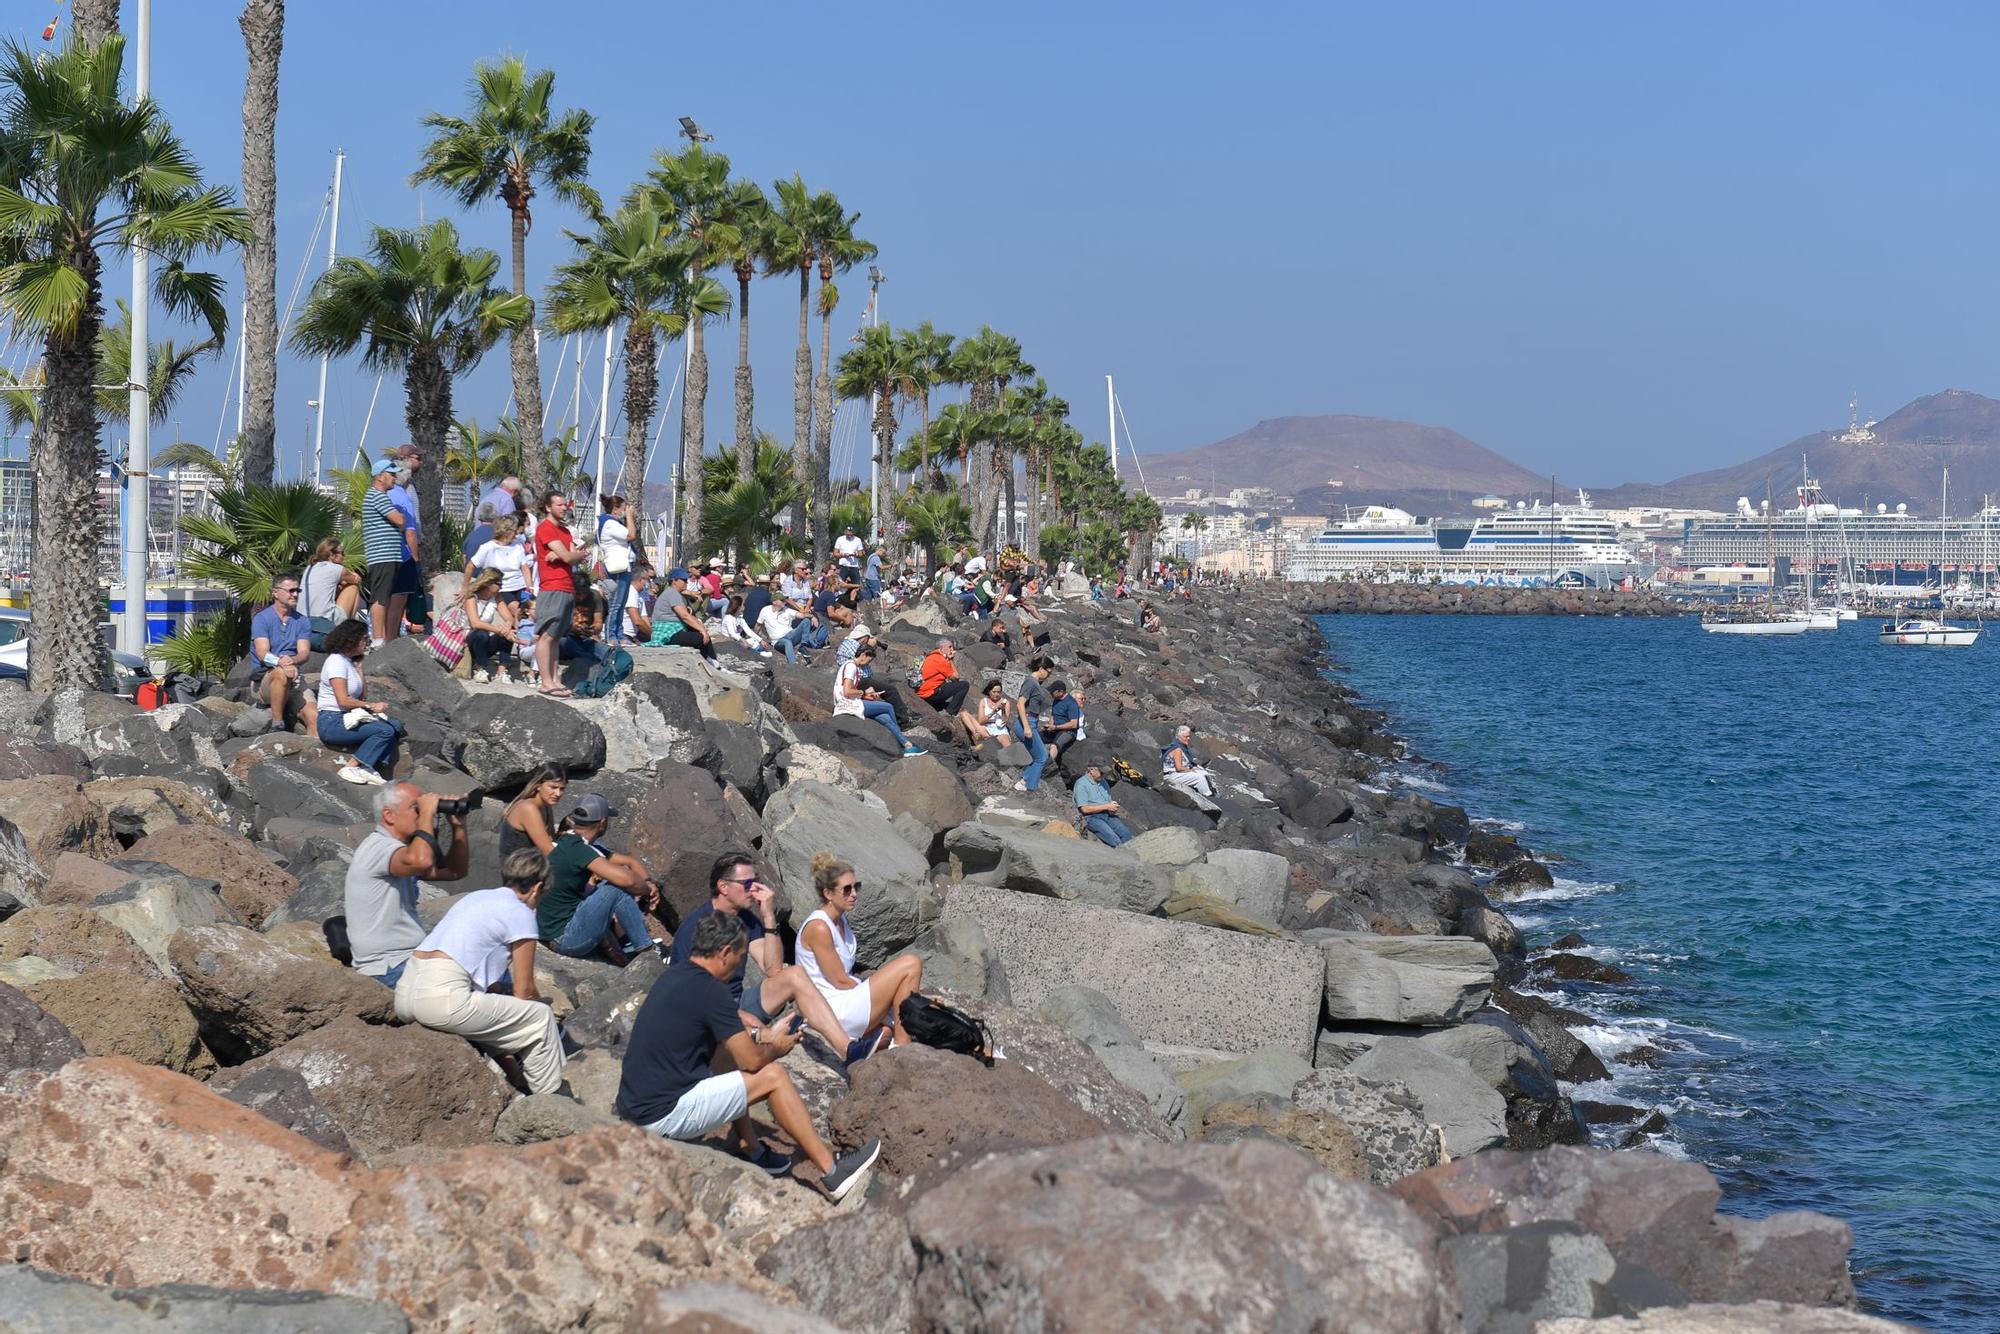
(1768, 619)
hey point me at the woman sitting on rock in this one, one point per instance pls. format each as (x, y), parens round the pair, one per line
(489, 625)
(989, 715)
(867, 1007)
(1181, 769)
(344, 718)
(854, 696)
(488, 935)
(530, 819)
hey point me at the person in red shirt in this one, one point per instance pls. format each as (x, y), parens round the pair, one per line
(941, 686)
(557, 554)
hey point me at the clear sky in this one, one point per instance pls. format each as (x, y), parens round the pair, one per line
(1617, 241)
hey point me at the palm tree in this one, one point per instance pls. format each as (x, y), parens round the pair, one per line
(926, 360)
(985, 364)
(1140, 518)
(509, 144)
(875, 366)
(743, 512)
(78, 170)
(690, 191)
(836, 249)
(263, 26)
(629, 269)
(421, 305)
(789, 249)
(936, 519)
(1194, 521)
(747, 242)
(95, 19)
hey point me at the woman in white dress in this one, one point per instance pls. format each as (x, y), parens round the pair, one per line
(826, 952)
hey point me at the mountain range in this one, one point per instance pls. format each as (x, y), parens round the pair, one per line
(1323, 462)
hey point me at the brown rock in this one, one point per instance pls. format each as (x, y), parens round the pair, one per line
(678, 829)
(1207, 910)
(76, 938)
(1126, 1234)
(55, 817)
(393, 1089)
(75, 878)
(924, 1103)
(144, 1019)
(1320, 1135)
(252, 994)
(138, 807)
(252, 884)
(923, 786)
(142, 1176)
(21, 757)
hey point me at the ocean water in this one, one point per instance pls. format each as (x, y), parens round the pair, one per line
(1788, 843)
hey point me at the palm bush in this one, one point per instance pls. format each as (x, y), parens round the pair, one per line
(742, 515)
(256, 534)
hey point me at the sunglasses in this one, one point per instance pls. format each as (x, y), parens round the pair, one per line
(746, 881)
(849, 890)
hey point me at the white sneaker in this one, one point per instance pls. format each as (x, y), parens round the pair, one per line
(481, 676)
(354, 773)
(1020, 785)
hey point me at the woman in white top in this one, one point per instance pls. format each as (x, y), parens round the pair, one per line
(372, 733)
(852, 695)
(739, 629)
(328, 588)
(988, 715)
(488, 936)
(614, 552)
(489, 625)
(779, 625)
(826, 953)
(505, 553)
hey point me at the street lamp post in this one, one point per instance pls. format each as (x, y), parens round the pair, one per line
(138, 465)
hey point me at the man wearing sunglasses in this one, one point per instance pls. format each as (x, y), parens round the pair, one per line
(734, 889)
(280, 643)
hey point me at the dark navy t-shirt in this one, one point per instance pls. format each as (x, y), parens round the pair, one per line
(753, 931)
(686, 1016)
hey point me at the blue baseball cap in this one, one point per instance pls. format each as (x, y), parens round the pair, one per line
(676, 573)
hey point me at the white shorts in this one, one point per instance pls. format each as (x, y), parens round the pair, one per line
(714, 1102)
(851, 1007)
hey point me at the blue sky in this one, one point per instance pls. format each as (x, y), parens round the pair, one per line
(1613, 242)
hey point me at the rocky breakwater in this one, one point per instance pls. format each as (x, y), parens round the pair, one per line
(1262, 1067)
(1422, 599)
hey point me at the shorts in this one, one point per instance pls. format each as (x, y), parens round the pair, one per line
(711, 1104)
(553, 610)
(752, 1004)
(378, 584)
(409, 577)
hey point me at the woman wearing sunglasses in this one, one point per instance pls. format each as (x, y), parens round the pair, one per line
(867, 1007)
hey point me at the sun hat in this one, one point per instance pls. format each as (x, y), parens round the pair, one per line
(715, 562)
(860, 631)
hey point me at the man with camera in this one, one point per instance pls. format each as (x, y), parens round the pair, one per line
(381, 890)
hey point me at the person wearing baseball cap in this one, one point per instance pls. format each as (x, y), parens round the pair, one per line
(387, 539)
(591, 887)
(410, 573)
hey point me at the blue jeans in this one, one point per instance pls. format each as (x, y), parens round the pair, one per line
(1109, 829)
(813, 635)
(883, 712)
(871, 589)
(573, 647)
(393, 976)
(374, 742)
(1038, 754)
(614, 607)
(593, 918)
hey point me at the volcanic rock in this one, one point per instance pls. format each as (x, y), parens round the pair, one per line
(252, 884)
(253, 995)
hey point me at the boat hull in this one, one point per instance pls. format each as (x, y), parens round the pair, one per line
(1955, 637)
(1756, 627)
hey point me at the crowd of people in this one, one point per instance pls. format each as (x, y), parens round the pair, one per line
(533, 593)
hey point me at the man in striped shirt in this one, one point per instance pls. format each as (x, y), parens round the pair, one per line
(387, 541)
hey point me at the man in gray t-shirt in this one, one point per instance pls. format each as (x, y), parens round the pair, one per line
(381, 890)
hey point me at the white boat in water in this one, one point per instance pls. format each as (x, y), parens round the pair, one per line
(1917, 632)
(1816, 618)
(1758, 626)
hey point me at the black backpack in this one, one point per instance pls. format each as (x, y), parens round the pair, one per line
(936, 1024)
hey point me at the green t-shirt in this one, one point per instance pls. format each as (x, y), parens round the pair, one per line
(569, 881)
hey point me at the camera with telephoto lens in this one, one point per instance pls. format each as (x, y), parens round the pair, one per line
(464, 805)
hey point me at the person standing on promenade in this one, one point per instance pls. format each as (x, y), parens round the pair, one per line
(387, 540)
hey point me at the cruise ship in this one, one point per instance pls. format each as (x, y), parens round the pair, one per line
(1528, 545)
(1883, 546)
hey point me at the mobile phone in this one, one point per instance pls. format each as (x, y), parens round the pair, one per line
(795, 1025)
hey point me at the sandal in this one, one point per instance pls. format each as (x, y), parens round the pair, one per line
(560, 692)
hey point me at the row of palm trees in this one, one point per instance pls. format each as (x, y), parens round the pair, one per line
(81, 171)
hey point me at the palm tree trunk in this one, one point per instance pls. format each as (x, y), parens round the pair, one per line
(802, 366)
(527, 375)
(1004, 458)
(822, 471)
(746, 430)
(63, 622)
(694, 421)
(972, 476)
(1031, 474)
(95, 19)
(642, 390)
(263, 25)
(885, 454)
(427, 412)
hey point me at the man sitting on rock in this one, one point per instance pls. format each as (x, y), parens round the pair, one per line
(280, 643)
(941, 686)
(691, 1067)
(591, 887)
(735, 891)
(381, 893)
(1100, 813)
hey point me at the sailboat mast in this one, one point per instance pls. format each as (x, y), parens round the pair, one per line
(332, 252)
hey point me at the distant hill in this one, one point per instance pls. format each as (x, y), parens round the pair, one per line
(1370, 457)
(1903, 463)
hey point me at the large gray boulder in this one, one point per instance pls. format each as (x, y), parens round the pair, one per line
(38, 1302)
(159, 901)
(1403, 979)
(1511, 1279)
(1091, 1018)
(503, 738)
(1270, 1073)
(1061, 868)
(1176, 984)
(897, 901)
(651, 717)
(1169, 845)
(959, 958)
(1469, 1111)
(1386, 1118)
(1259, 1239)
(923, 786)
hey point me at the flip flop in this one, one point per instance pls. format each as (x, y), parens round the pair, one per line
(560, 692)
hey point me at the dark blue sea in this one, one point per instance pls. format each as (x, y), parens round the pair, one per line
(1788, 843)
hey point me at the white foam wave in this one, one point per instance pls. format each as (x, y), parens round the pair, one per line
(1420, 782)
(1498, 826)
(1562, 891)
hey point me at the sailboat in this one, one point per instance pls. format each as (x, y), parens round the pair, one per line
(1768, 619)
(1816, 617)
(1923, 632)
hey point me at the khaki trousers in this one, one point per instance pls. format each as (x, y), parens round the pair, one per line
(438, 994)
